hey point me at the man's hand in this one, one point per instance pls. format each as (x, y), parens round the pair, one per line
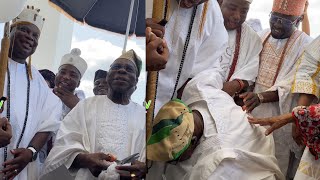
(156, 60)
(5, 132)
(67, 97)
(275, 122)
(157, 29)
(137, 170)
(95, 162)
(250, 100)
(297, 135)
(22, 157)
(231, 87)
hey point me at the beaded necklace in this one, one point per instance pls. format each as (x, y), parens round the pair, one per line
(236, 53)
(27, 109)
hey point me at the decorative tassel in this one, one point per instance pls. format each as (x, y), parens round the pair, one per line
(29, 68)
(5, 44)
(203, 18)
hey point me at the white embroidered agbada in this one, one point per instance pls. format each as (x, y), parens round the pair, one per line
(307, 80)
(43, 153)
(270, 58)
(230, 148)
(96, 125)
(44, 113)
(203, 52)
(202, 64)
(248, 59)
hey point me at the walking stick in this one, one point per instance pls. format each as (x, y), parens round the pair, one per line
(157, 13)
(5, 44)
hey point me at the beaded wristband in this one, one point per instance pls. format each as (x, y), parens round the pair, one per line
(241, 84)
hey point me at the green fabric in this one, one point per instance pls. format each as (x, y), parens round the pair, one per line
(180, 101)
(163, 129)
(178, 154)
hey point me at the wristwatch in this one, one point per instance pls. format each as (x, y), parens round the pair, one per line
(34, 153)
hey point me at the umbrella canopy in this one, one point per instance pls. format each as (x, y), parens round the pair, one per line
(106, 14)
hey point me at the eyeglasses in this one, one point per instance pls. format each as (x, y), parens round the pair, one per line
(284, 21)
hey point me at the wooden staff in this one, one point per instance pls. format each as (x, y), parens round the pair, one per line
(5, 44)
(157, 13)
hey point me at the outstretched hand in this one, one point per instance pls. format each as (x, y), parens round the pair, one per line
(274, 122)
(137, 170)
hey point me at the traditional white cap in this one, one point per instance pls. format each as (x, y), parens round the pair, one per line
(75, 60)
(30, 15)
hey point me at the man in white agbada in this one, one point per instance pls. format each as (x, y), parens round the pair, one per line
(204, 96)
(306, 84)
(235, 149)
(32, 109)
(99, 126)
(71, 70)
(205, 38)
(282, 46)
(241, 58)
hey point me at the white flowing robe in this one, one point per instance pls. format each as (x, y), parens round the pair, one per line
(230, 148)
(248, 59)
(203, 54)
(306, 81)
(96, 125)
(44, 113)
(283, 139)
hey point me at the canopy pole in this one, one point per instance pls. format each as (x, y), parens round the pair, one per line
(128, 27)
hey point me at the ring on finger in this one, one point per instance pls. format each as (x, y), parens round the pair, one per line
(16, 171)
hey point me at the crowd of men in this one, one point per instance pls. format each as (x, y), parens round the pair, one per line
(217, 78)
(50, 130)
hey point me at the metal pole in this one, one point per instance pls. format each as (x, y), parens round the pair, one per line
(128, 27)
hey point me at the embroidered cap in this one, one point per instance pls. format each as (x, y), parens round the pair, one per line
(30, 15)
(172, 132)
(132, 56)
(289, 7)
(75, 60)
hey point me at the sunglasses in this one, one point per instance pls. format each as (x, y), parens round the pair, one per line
(281, 20)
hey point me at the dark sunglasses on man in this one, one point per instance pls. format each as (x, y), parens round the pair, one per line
(286, 22)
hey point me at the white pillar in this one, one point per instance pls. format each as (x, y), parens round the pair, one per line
(55, 39)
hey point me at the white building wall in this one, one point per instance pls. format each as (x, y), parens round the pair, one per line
(55, 39)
